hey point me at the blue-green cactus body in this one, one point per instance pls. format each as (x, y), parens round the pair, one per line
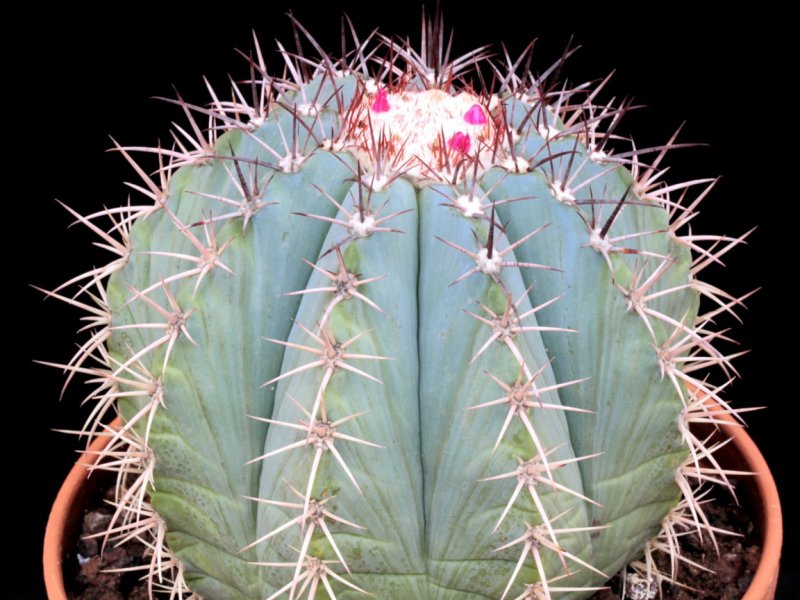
(297, 361)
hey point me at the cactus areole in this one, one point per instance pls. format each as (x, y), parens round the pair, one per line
(372, 331)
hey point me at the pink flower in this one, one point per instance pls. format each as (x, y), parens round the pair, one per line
(475, 115)
(381, 102)
(460, 142)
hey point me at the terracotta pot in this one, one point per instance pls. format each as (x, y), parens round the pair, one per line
(760, 495)
(64, 523)
(757, 492)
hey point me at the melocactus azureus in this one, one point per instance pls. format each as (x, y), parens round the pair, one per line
(380, 326)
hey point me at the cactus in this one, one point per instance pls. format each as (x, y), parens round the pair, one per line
(374, 331)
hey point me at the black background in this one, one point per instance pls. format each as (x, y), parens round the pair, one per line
(82, 75)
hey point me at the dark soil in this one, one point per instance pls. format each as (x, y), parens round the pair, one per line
(86, 565)
(734, 567)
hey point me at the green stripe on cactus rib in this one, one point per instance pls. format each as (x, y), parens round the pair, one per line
(428, 522)
(210, 388)
(389, 506)
(642, 449)
(457, 442)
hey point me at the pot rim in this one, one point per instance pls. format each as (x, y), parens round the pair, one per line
(765, 580)
(62, 511)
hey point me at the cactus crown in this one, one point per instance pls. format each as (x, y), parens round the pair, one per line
(380, 330)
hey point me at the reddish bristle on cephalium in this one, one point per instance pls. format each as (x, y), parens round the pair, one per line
(407, 324)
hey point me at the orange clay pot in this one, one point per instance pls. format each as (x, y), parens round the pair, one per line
(758, 493)
(64, 524)
(760, 496)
